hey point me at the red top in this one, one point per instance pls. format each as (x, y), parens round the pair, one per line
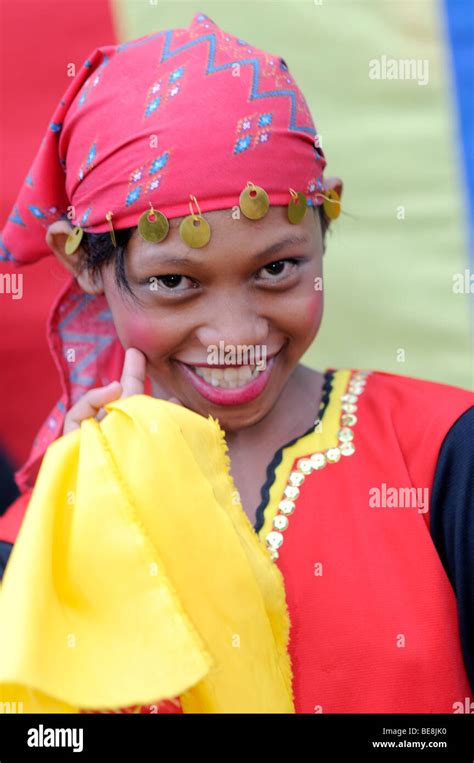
(376, 630)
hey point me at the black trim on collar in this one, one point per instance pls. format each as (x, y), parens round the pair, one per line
(277, 458)
(5, 551)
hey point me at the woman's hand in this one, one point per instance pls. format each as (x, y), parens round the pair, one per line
(91, 404)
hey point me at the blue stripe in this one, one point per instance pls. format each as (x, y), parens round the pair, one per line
(459, 18)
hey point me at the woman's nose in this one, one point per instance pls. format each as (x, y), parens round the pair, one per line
(234, 323)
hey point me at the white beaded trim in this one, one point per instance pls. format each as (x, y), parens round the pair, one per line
(274, 539)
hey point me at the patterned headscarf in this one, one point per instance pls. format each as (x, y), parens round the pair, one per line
(178, 112)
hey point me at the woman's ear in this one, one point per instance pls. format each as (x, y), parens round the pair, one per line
(56, 237)
(335, 184)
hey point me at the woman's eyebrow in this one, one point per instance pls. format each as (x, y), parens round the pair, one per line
(267, 252)
(279, 245)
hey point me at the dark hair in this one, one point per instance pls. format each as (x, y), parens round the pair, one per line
(324, 220)
(99, 251)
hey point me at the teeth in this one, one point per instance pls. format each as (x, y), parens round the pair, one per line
(228, 378)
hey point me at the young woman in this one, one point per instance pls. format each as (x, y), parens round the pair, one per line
(200, 213)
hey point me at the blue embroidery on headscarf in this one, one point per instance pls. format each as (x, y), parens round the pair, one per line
(37, 212)
(133, 196)
(83, 94)
(137, 43)
(211, 68)
(242, 144)
(159, 163)
(16, 217)
(152, 106)
(95, 81)
(210, 38)
(265, 119)
(85, 216)
(5, 254)
(91, 155)
(176, 74)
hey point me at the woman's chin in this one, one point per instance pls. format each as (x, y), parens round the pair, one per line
(232, 414)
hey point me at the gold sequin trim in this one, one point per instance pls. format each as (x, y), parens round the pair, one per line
(316, 461)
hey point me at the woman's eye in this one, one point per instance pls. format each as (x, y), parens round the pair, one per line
(172, 282)
(277, 268)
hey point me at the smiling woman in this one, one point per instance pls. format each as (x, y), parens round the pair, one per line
(253, 285)
(220, 530)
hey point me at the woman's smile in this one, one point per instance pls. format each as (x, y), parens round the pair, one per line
(228, 386)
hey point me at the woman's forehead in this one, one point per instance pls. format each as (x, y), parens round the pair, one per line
(234, 234)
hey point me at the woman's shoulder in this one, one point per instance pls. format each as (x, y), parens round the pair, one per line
(414, 398)
(415, 408)
(413, 386)
(416, 414)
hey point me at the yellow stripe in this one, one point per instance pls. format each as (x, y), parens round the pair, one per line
(315, 441)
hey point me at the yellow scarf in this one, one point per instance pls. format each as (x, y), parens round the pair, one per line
(136, 576)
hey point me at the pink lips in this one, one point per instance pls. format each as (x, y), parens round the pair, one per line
(235, 396)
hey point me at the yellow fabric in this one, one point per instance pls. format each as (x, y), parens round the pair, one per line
(136, 576)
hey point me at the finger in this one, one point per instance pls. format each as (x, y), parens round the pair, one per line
(133, 373)
(90, 404)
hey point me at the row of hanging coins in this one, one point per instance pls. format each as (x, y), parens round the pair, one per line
(317, 461)
(195, 230)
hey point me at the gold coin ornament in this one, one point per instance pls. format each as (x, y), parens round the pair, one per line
(332, 204)
(73, 240)
(296, 207)
(195, 231)
(108, 217)
(153, 226)
(254, 202)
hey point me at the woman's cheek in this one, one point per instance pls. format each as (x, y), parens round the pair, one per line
(142, 336)
(133, 325)
(314, 311)
(154, 339)
(134, 330)
(303, 314)
(143, 329)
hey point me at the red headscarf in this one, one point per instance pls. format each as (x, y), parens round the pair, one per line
(179, 112)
